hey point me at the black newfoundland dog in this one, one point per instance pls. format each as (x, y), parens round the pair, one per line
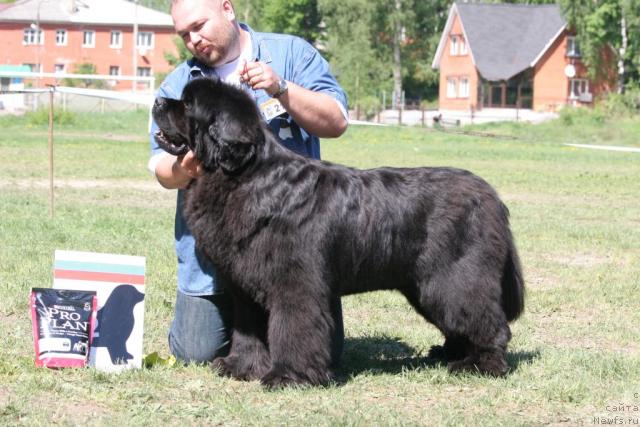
(290, 234)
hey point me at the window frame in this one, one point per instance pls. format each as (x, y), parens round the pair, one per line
(453, 45)
(145, 36)
(117, 45)
(581, 84)
(92, 43)
(573, 47)
(32, 37)
(452, 87)
(463, 83)
(62, 37)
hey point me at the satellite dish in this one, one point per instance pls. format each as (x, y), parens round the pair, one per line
(570, 71)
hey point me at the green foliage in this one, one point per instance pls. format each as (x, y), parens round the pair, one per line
(622, 105)
(368, 105)
(183, 53)
(41, 117)
(599, 26)
(84, 68)
(161, 5)
(298, 17)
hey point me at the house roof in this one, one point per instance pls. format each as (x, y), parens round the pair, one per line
(504, 39)
(96, 12)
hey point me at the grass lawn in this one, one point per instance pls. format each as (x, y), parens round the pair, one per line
(575, 353)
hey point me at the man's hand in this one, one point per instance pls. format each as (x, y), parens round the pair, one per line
(189, 165)
(316, 112)
(259, 75)
(177, 172)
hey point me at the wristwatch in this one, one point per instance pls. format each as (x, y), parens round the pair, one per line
(282, 88)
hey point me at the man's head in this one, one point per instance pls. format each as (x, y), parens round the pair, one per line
(208, 28)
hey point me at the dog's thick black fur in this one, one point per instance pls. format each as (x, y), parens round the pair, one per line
(291, 233)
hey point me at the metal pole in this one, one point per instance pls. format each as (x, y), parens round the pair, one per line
(51, 90)
(134, 64)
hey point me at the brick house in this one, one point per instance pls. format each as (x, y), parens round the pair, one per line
(55, 36)
(511, 56)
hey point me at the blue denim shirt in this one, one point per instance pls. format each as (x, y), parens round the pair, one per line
(293, 59)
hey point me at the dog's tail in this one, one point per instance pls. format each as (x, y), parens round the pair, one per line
(512, 285)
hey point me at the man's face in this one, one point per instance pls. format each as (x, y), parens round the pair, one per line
(208, 29)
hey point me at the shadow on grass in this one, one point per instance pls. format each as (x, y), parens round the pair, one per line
(389, 355)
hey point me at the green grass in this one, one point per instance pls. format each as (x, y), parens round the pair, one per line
(575, 352)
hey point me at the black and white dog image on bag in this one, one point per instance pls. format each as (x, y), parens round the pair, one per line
(290, 234)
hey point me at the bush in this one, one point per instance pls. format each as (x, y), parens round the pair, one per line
(617, 105)
(570, 116)
(41, 117)
(369, 106)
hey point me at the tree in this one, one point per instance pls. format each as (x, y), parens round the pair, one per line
(183, 53)
(350, 45)
(84, 68)
(607, 25)
(298, 17)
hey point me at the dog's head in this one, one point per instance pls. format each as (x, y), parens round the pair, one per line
(218, 122)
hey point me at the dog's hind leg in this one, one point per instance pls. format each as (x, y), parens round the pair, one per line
(300, 340)
(467, 309)
(248, 358)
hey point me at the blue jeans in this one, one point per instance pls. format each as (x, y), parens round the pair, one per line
(201, 328)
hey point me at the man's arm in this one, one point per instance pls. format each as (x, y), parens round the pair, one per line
(316, 112)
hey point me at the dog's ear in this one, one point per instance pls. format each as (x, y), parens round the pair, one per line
(231, 154)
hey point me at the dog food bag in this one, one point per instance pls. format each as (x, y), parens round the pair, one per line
(63, 322)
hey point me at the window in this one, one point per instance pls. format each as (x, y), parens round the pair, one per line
(452, 90)
(463, 46)
(573, 47)
(116, 39)
(579, 89)
(58, 68)
(453, 48)
(89, 39)
(61, 37)
(145, 40)
(114, 70)
(144, 72)
(33, 36)
(463, 91)
(34, 68)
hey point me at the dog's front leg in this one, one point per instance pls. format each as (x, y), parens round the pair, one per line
(248, 357)
(299, 336)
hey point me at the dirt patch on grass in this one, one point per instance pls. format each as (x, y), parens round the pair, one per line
(82, 184)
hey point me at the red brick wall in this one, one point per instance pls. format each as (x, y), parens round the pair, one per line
(456, 67)
(101, 56)
(551, 85)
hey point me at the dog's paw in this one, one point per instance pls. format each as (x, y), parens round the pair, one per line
(484, 364)
(278, 378)
(225, 366)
